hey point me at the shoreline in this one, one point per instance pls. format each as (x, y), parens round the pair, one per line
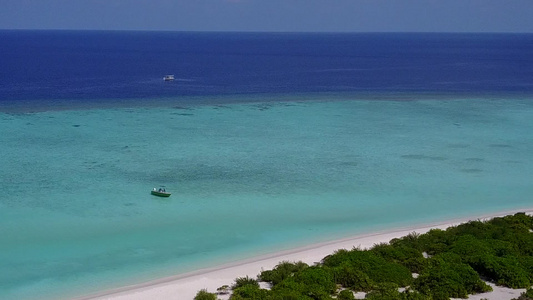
(188, 284)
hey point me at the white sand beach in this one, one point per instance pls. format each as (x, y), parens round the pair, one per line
(186, 286)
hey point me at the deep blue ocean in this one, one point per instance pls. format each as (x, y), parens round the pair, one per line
(267, 141)
(79, 66)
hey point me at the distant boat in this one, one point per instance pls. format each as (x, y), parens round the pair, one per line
(160, 192)
(168, 78)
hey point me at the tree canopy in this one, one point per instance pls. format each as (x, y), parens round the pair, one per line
(449, 263)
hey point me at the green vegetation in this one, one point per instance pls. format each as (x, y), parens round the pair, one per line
(369, 266)
(449, 263)
(446, 276)
(345, 295)
(223, 290)
(204, 295)
(244, 281)
(282, 271)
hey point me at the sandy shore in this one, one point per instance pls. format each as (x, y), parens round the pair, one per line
(186, 286)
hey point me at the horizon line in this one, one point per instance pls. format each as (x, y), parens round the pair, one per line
(269, 32)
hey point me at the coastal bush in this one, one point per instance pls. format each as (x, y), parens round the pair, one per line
(395, 253)
(374, 266)
(289, 288)
(476, 228)
(504, 248)
(470, 246)
(337, 258)
(298, 290)
(510, 228)
(249, 292)
(500, 250)
(318, 280)
(526, 262)
(519, 222)
(410, 241)
(391, 292)
(409, 294)
(524, 243)
(415, 265)
(204, 295)
(283, 270)
(351, 278)
(384, 291)
(401, 254)
(497, 249)
(435, 241)
(223, 290)
(345, 295)
(288, 294)
(244, 281)
(506, 271)
(447, 277)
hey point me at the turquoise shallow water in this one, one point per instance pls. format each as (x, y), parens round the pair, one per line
(76, 215)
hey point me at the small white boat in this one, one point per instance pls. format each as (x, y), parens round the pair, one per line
(161, 192)
(168, 78)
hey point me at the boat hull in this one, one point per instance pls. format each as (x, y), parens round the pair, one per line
(160, 194)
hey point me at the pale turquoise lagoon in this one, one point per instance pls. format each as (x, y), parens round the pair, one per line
(76, 214)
